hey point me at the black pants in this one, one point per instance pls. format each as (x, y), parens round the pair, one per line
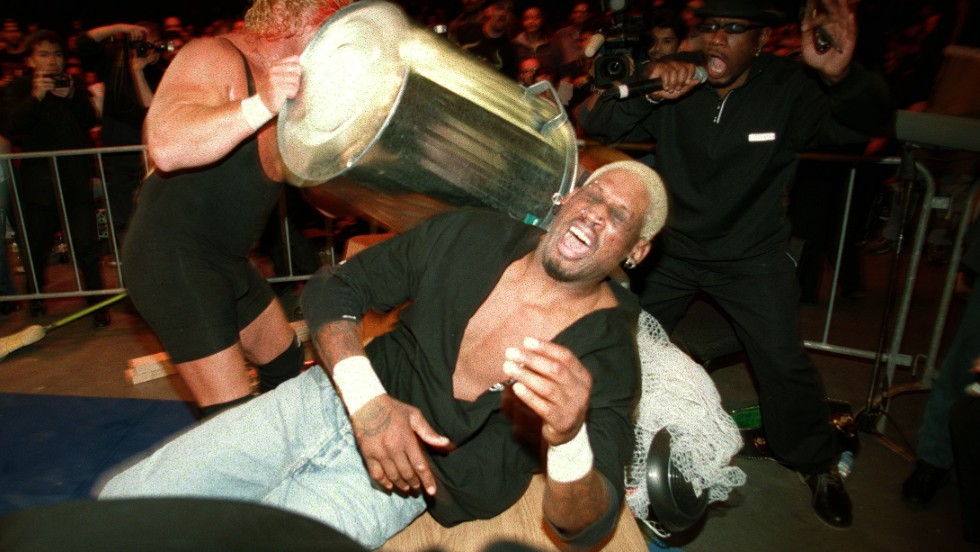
(43, 222)
(965, 428)
(123, 174)
(762, 298)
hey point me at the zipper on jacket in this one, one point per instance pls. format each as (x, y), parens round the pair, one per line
(721, 107)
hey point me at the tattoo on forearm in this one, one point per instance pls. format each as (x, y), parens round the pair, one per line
(375, 422)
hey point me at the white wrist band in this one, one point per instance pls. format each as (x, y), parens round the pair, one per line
(255, 112)
(354, 377)
(571, 461)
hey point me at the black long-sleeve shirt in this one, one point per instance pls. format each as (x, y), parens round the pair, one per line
(728, 162)
(447, 267)
(52, 124)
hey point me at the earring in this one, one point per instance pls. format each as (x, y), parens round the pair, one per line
(629, 264)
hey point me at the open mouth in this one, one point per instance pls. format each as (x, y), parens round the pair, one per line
(577, 242)
(716, 67)
(580, 234)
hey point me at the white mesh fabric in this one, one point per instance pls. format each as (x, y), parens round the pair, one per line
(678, 394)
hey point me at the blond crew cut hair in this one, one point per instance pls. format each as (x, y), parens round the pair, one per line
(287, 17)
(656, 214)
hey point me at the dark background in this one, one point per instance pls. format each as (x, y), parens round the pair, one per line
(58, 14)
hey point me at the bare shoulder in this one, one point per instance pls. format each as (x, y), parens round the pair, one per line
(209, 69)
(206, 56)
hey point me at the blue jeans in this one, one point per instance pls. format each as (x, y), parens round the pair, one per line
(934, 444)
(291, 448)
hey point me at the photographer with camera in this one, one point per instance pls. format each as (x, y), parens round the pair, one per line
(128, 59)
(48, 111)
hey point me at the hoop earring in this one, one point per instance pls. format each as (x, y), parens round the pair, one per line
(628, 264)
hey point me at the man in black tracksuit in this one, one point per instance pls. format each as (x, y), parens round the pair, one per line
(727, 151)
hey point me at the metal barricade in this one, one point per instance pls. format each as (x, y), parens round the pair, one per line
(11, 183)
(891, 355)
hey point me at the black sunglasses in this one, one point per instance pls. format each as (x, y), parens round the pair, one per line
(729, 28)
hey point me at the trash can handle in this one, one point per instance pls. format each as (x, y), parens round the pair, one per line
(539, 88)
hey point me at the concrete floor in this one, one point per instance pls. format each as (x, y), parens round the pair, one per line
(770, 513)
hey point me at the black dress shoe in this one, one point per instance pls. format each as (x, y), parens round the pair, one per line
(830, 501)
(100, 318)
(921, 486)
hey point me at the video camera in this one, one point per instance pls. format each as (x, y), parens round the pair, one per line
(143, 48)
(622, 39)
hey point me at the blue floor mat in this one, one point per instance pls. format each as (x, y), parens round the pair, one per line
(53, 448)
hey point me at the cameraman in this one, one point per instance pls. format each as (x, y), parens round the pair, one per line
(127, 58)
(48, 111)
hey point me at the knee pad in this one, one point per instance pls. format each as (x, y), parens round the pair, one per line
(288, 364)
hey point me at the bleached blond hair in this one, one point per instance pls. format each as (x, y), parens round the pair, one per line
(656, 213)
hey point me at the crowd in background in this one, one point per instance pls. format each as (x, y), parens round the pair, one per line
(531, 41)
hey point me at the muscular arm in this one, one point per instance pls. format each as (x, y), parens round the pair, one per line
(338, 340)
(196, 117)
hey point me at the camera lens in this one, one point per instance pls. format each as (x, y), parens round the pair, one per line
(609, 69)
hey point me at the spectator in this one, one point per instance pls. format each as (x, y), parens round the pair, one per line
(934, 449)
(471, 13)
(6, 282)
(534, 40)
(528, 71)
(667, 31)
(14, 51)
(49, 111)
(489, 41)
(569, 45)
(130, 71)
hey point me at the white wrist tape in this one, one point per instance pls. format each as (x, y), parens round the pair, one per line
(571, 461)
(255, 112)
(354, 377)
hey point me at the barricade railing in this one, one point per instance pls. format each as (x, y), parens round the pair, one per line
(892, 355)
(11, 186)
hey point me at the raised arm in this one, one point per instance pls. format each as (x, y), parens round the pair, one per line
(201, 110)
(553, 383)
(134, 32)
(829, 36)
